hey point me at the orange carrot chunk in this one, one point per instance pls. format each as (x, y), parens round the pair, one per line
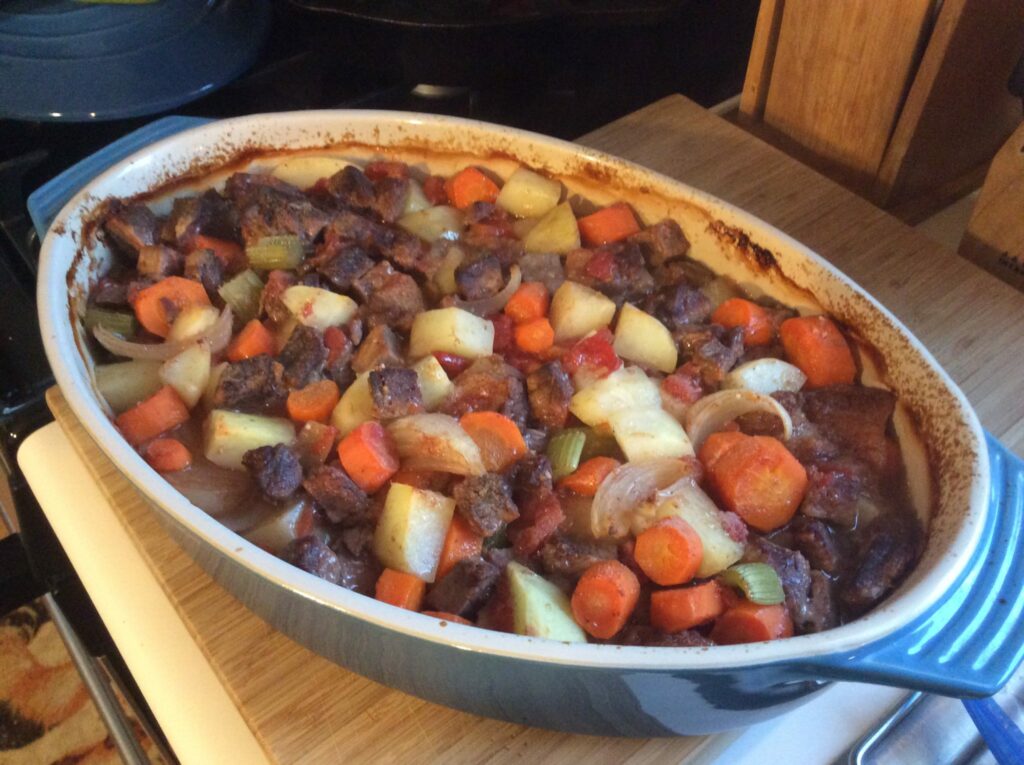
(716, 445)
(588, 476)
(754, 320)
(527, 303)
(168, 455)
(400, 589)
(536, 336)
(669, 552)
(686, 607)
(758, 479)
(369, 455)
(604, 598)
(460, 542)
(230, 254)
(748, 622)
(447, 617)
(148, 419)
(612, 224)
(314, 403)
(253, 340)
(468, 186)
(817, 346)
(156, 305)
(500, 440)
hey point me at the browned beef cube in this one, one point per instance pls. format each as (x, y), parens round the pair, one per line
(208, 214)
(390, 195)
(396, 303)
(678, 306)
(816, 541)
(342, 268)
(357, 540)
(465, 589)
(485, 501)
(641, 634)
(807, 443)
(109, 293)
(887, 553)
(131, 226)
(507, 249)
(157, 261)
(531, 475)
(855, 418)
(713, 350)
(550, 391)
(480, 278)
(352, 188)
(662, 242)
(205, 267)
(270, 299)
(303, 357)
(312, 555)
(275, 469)
(243, 188)
(617, 270)
(372, 280)
(339, 496)
(833, 492)
(252, 385)
(405, 250)
(490, 385)
(565, 556)
(380, 348)
(396, 393)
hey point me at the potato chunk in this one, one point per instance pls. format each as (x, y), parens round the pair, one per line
(355, 406)
(539, 608)
(411, 530)
(628, 387)
(765, 376)
(304, 171)
(645, 434)
(527, 194)
(318, 308)
(433, 223)
(451, 330)
(188, 372)
(641, 338)
(126, 383)
(577, 310)
(434, 383)
(229, 435)
(555, 232)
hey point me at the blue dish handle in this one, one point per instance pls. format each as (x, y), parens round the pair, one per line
(972, 643)
(1004, 739)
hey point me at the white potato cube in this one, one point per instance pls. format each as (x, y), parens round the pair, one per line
(416, 199)
(433, 223)
(305, 171)
(434, 383)
(624, 388)
(451, 330)
(127, 383)
(229, 435)
(318, 308)
(354, 407)
(411, 530)
(527, 194)
(555, 232)
(645, 434)
(193, 321)
(641, 338)
(539, 608)
(577, 311)
(765, 376)
(188, 372)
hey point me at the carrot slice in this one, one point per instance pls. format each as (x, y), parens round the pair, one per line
(748, 622)
(447, 617)
(758, 479)
(669, 552)
(158, 304)
(716, 445)
(460, 542)
(528, 302)
(753, 319)
(817, 346)
(612, 224)
(369, 455)
(253, 340)
(535, 336)
(604, 598)
(148, 419)
(230, 254)
(500, 441)
(685, 607)
(588, 476)
(314, 403)
(168, 455)
(468, 186)
(400, 589)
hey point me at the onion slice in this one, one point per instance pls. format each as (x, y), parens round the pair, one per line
(488, 306)
(629, 489)
(436, 442)
(712, 412)
(217, 337)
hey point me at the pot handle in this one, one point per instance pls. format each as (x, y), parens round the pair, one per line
(971, 644)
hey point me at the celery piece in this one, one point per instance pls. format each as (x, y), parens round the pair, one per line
(564, 451)
(284, 252)
(758, 581)
(118, 322)
(243, 293)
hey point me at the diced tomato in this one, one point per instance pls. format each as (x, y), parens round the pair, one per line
(601, 266)
(336, 341)
(377, 171)
(595, 353)
(540, 518)
(684, 384)
(433, 189)
(503, 332)
(451, 363)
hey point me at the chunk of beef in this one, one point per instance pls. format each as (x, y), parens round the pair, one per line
(761, 424)
(487, 240)
(834, 490)
(485, 501)
(530, 475)
(684, 271)
(641, 634)
(565, 556)
(109, 293)
(342, 265)
(339, 496)
(395, 393)
(711, 349)
(756, 352)
(550, 391)
(480, 278)
(351, 188)
(358, 572)
(793, 571)
(371, 280)
(536, 439)
(303, 357)
(807, 443)
(465, 589)
(887, 553)
(543, 267)
(662, 242)
(208, 214)
(816, 541)
(405, 250)
(274, 215)
(490, 384)
(381, 348)
(617, 270)
(820, 613)
(130, 227)
(157, 261)
(356, 540)
(395, 303)
(275, 469)
(271, 303)
(855, 419)
(312, 555)
(678, 306)
(244, 188)
(205, 267)
(389, 197)
(253, 385)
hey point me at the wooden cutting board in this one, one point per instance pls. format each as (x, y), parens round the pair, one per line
(305, 709)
